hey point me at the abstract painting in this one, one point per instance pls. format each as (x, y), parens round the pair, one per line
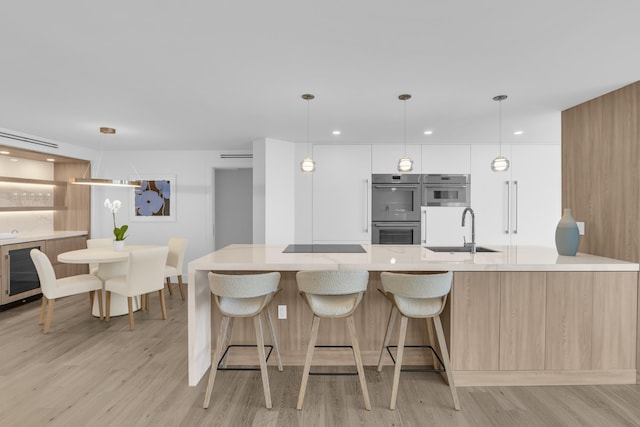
(154, 200)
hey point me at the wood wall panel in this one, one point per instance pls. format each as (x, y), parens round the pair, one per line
(522, 320)
(569, 320)
(77, 216)
(475, 321)
(614, 318)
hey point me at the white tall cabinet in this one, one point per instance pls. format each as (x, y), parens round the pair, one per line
(342, 194)
(520, 206)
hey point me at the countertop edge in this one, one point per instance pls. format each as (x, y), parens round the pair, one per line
(43, 236)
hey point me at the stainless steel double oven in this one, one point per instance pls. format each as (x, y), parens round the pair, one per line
(395, 209)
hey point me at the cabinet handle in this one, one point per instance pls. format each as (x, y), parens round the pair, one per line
(366, 207)
(424, 227)
(508, 213)
(515, 204)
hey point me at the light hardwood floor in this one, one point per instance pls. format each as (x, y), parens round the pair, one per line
(91, 373)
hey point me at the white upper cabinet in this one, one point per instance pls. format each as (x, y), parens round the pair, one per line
(521, 206)
(445, 158)
(342, 194)
(384, 157)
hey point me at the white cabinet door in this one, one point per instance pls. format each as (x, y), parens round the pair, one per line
(523, 205)
(342, 194)
(443, 158)
(384, 157)
(536, 194)
(490, 196)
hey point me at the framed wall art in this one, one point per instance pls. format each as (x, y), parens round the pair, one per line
(155, 199)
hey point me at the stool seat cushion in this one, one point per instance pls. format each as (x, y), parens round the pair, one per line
(419, 307)
(333, 305)
(243, 307)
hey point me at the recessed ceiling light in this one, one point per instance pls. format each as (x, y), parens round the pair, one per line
(4, 152)
(518, 132)
(428, 132)
(51, 160)
(110, 131)
(336, 132)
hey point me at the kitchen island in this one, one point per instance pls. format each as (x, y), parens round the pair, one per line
(518, 316)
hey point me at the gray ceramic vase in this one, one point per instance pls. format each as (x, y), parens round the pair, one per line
(567, 235)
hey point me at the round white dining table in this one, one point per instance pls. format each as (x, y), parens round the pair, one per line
(110, 263)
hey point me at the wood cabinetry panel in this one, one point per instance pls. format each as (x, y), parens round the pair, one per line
(522, 320)
(475, 320)
(569, 320)
(55, 247)
(614, 317)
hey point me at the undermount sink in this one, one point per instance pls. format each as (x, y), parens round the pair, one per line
(458, 249)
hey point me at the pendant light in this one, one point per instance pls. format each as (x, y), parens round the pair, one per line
(500, 163)
(405, 164)
(103, 181)
(307, 165)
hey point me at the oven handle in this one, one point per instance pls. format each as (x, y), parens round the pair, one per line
(395, 225)
(398, 186)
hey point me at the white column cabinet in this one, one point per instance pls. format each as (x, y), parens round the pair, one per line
(342, 194)
(445, 158)
(384, 157)
(523, 205)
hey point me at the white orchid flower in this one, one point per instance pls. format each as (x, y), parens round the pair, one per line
(107, 203)
(116, 205)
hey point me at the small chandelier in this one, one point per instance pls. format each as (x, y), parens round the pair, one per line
(405, 164)
(308, 165)
(500, 163)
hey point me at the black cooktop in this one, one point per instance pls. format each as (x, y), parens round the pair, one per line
(324, 249)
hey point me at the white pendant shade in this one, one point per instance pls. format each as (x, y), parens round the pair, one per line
(500, 164)
(405, 164)
(308, 165)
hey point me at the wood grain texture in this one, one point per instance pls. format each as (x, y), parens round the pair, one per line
(55, 247)
(77, 198)
(475, 321)
(522, 321)
(87, 372)
(569, 321)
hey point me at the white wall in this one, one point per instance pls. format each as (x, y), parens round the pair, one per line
(274, 201)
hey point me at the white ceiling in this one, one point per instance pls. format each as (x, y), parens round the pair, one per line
(217, 74)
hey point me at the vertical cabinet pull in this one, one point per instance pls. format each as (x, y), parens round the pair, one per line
(508, 213)
(515, 210)
(366, 206)
(424, 227)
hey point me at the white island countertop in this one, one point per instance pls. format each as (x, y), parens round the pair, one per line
(246, 257)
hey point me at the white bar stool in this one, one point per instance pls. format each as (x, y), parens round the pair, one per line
(243, 296)
(333, 294)
(419, 296)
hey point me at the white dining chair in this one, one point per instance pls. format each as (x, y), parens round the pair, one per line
(175, 261)
(98, 243)
(144, 275)
(417, 296)
(53, 288)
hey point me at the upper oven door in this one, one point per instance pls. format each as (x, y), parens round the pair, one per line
(395, 202)
(446, 195)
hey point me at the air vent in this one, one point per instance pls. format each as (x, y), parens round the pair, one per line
(237, 156)
(28, 140)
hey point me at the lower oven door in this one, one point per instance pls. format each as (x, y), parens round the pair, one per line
(395, 233)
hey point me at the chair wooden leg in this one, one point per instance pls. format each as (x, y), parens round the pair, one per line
(47, 323)
(387, 335)
(143, 302)
(130, 304)
(307, 363)
(215, 356)
(445, 361)
(432, 342)
(91, 301)
(180, 286)
(358, 357)
(274, 339)
(227, 341)
(43, 307)
(263, 363)
(168, 280)
(396, 374)
(108, 304)
(163, 307)
(100, 309)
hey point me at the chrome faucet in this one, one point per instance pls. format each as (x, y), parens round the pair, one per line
(473, 229)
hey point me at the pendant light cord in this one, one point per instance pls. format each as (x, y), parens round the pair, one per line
(405, 127)
(500, 126)
(308, 125)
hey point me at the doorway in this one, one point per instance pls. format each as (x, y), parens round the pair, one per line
(233, 206)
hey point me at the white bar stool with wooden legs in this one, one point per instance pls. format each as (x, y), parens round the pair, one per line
(243, 296)
(419, 296)
(333, 294)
